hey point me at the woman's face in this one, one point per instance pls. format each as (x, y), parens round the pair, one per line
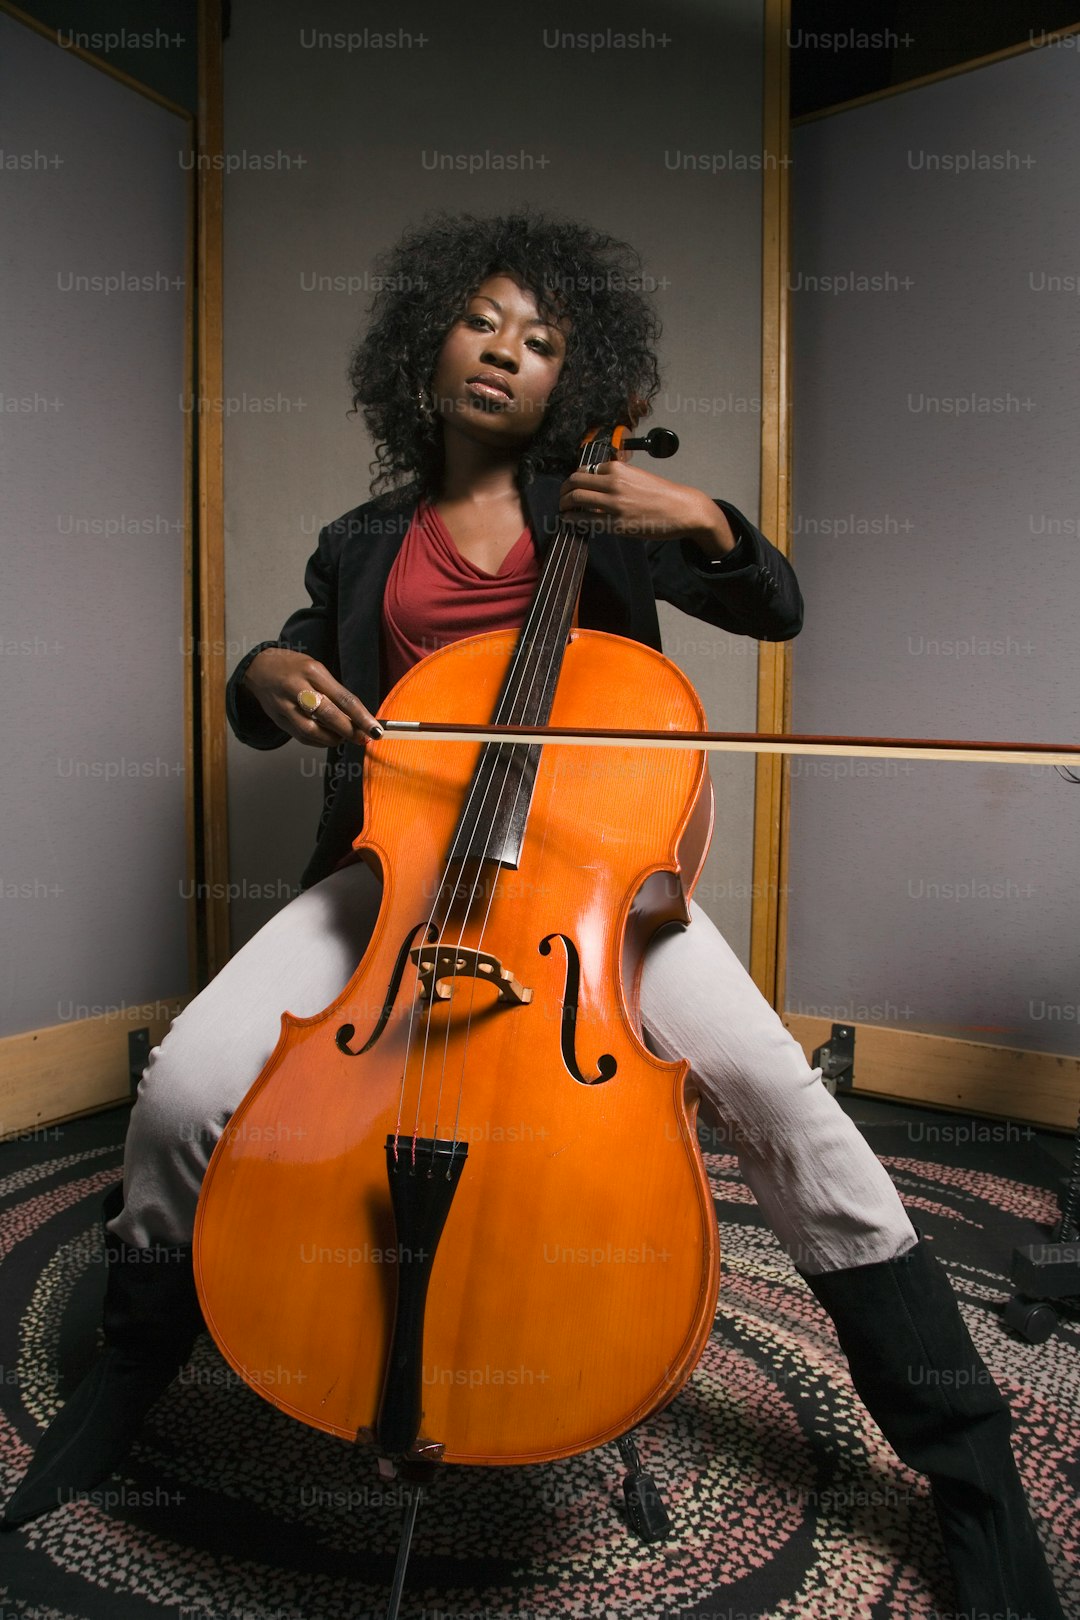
(497, 367)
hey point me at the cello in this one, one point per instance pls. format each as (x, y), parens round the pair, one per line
(464, 1207)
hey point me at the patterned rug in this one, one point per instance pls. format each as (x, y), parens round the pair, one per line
(785, 1500)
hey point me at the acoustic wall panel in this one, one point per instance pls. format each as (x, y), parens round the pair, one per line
(936, 410)
(94, 884)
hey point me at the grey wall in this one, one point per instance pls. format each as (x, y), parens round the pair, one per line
(936, 538)
(93, 914)
(605, 135)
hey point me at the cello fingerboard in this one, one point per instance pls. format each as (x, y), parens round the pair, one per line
(496, 810)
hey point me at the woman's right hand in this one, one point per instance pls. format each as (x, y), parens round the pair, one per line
(277, 676)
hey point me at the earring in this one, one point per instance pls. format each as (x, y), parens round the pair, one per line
(424, 402)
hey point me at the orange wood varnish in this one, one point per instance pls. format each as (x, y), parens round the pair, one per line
(575, 1281)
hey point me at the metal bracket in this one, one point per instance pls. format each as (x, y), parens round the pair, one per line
(138, 1046)
(837, 1059)
(645, 1511)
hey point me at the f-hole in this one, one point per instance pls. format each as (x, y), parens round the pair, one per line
(606, 1064)
(347, 1031)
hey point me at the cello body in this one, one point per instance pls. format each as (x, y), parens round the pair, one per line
(573, 1281)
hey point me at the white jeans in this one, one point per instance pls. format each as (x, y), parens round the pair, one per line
(823, 1192)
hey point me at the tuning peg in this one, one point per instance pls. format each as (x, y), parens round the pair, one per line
(659, 442)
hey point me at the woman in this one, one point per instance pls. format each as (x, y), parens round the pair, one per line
(494, 344)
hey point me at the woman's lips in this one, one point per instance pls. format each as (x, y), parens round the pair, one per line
(490, 390)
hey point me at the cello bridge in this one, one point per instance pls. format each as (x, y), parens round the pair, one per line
(437, 965)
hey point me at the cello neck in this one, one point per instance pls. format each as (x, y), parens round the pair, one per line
(534, 669)
(492, 824)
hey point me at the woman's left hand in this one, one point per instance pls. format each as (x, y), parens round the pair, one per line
(616, 498)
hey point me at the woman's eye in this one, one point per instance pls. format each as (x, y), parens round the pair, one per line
(479, 320)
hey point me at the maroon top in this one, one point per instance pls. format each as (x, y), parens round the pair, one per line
(435, 596)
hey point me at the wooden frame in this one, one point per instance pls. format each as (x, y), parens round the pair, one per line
(213, 662)
(98, 62)
(970, 1077)
(48, 1075)
(942, 73)
(767, 915)
(76, 1068)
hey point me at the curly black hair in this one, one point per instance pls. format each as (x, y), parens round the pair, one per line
(574, 272)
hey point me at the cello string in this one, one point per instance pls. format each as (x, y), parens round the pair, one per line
(538, 609)
(495, 879)
(572, 547)
(549, 598)
(441, 894)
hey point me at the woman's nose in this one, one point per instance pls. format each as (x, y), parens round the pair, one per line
(500, 352)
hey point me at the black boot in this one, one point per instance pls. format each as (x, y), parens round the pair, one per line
(150, 1319)
(924, 1384)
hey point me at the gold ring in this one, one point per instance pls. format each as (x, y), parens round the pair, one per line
(308, 701)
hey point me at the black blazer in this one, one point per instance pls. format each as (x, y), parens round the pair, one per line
(753, 591)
